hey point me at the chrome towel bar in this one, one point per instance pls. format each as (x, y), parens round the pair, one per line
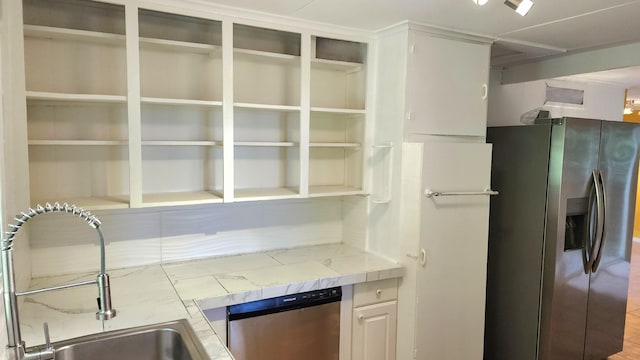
(430, 193)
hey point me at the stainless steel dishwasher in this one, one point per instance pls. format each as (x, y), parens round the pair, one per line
(292, 327)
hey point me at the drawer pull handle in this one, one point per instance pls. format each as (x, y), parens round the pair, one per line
(360, 317)
(378, 292)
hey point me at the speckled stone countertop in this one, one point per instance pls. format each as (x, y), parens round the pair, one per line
(158, 293)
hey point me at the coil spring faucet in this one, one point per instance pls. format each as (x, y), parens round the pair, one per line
(15, 345)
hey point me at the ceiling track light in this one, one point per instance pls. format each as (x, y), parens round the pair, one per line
(522, 7)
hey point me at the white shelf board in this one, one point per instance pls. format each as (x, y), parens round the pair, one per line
(56, 33)
(180, 143)
(338, 110)
(335, 145)
(265, 194)
(79, 142)
(333, 190)
(181, 198)
(265, 55)
(90, 203)
(175, 45)
(335, 65)
(264, 143)
(266, 107)
(180, 102)
(53, 96)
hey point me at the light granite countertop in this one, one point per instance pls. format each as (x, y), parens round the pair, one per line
(158, 293)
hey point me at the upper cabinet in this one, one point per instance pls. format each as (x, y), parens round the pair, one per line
(187, 108)
(337, 122)
(266, 113)
(446, 85)
(180, 112)
(76, 96)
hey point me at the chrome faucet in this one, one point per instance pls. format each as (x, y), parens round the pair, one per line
(16, 349)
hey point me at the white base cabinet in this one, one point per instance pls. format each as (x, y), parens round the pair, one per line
(374, 323)
(374, 331)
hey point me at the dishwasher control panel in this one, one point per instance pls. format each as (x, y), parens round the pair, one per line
(284, 303)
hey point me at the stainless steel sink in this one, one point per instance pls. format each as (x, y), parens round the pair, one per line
(173, 340)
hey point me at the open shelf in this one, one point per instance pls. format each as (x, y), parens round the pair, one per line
(266, 68)
(338, 111)
(93, 98)
(336, 145)
(265, 55)
(79, 142)
(77, 119)
(335, 170)
(265, 143)
(180, 102)
(175, 45)
(267, 107)
(335, 65)
(179, 143)
(265, 194)
(180, 59)
(181, 198)
(89, 203)
(94, 177)
(333, 190)
(55, 33)
(80, 121)
(186, 172)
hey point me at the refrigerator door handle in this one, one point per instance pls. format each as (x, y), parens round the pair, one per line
(593, 232)
(602, 218)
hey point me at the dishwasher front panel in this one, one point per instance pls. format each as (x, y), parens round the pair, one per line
(310, 333)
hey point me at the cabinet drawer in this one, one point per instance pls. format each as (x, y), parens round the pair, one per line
(375, 292)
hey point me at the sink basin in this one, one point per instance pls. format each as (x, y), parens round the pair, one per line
(164, 341)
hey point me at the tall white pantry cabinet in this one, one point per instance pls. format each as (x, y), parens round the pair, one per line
(431, 101)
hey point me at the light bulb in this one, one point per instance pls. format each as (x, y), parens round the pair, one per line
(480, 2)
(522, 7)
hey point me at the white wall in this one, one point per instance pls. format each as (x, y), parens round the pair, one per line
(3, 329)
(13, 146)
(507, 103)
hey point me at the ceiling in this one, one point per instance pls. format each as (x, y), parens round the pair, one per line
(552, 27)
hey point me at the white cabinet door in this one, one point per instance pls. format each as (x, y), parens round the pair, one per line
(446, 86)
(453, 241)
(374, 332)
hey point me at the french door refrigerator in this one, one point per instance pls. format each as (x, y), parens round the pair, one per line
(560, 238)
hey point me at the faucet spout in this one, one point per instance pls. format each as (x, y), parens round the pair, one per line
(15, 345)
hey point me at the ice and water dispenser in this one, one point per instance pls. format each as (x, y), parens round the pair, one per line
(575, 234)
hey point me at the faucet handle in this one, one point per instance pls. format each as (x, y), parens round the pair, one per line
(47, 339)
(48, 353)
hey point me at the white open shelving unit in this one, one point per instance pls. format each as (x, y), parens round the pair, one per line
(183, 109)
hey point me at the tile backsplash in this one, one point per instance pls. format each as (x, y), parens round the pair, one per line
(61, 244)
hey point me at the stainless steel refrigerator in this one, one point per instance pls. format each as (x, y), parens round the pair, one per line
(560, 238)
